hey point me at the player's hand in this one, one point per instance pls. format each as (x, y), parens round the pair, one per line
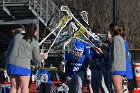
(45, 55)
(88, 72)
(98, 50)
(41, 52)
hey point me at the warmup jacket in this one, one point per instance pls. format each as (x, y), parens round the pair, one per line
(119, 57)
(20, 52)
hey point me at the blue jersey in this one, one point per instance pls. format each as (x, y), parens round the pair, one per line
(129, 72)
(74, 66)
(88, 51)
(96, 60)
(41, 72)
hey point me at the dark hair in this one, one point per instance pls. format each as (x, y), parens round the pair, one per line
(122, 32)
(114, 28)
(30, 32)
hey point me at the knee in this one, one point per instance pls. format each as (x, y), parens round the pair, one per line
(79, 82)
(13, 89)
(24, 90)
(118, 89)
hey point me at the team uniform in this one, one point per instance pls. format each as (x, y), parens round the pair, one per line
(17, 70)
(96, 66)
(43, 81)
(107, 74)
(96, 71)
(128, 73)
(19, 55)
(76, 68)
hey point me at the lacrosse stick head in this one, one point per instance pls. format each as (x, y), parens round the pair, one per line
(95, 37)
(65, 9)
(70, 11)
(84, 15)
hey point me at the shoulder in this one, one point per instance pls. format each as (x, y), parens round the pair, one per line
(118, 37)
(125, 42)
(68, 54)
(18, 36)
(35, 42)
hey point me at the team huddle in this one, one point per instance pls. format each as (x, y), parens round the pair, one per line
(89, 59)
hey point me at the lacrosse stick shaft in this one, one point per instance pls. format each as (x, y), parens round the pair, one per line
(64, 50)
(54, 40)
(62, 24)
(47, 36)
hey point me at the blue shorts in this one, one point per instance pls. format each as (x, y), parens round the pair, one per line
(128, 73)
(17, 70)
(122, 73)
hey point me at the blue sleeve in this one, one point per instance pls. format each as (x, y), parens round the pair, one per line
(68, 56)
(126, 48)
(94, 54)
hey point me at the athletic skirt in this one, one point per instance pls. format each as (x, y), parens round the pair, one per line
(128, 73)
(122, 73)
(17, 70)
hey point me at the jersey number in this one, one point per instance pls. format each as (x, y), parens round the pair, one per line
(75, 68)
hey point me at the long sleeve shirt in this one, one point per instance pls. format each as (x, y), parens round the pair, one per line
(20, 52)
(119, 57)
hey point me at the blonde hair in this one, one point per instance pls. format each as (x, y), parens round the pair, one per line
(17, 30)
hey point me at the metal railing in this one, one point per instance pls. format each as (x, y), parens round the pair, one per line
(43, 9)
(15, 1)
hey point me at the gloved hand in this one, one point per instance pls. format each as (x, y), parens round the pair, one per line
(88, 72)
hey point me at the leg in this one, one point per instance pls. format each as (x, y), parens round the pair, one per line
(45, 88)
(42, 88)
(24, 83)
(71, 84)
(131, 85)
(117, 82)
(107, 78)
(14, 84)
(79, 82)
(76, 83)
(96, 80)
(48, 88)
